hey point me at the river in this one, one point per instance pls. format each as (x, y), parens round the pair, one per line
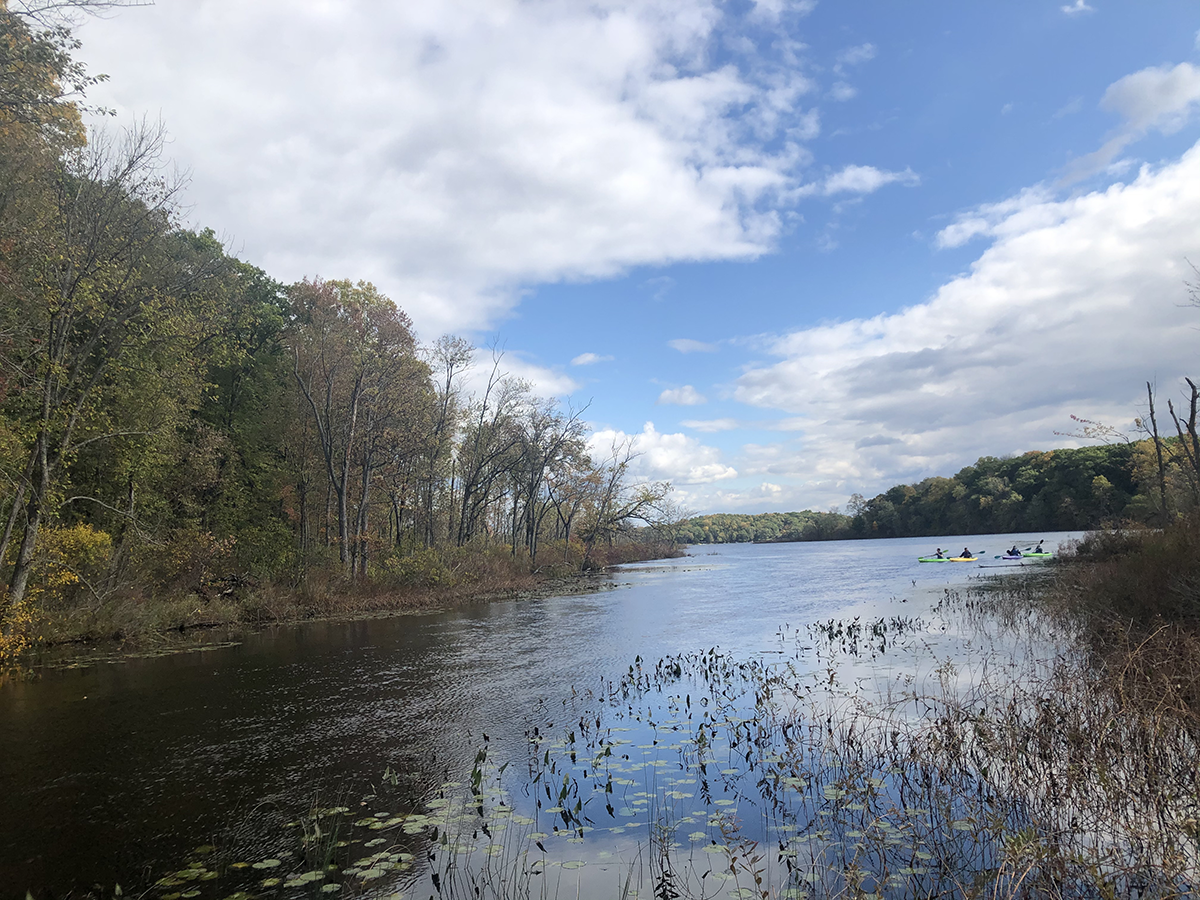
(112, 773)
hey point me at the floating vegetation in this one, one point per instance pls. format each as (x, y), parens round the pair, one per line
(709, 776)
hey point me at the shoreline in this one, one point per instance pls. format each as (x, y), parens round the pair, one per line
(227, 628)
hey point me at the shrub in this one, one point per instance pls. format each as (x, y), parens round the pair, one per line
(70, 560)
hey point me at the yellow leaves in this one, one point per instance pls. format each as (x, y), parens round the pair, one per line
(18, 630)
(68, 556)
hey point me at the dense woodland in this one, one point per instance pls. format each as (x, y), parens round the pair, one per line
(175, 421)
(1055, 490)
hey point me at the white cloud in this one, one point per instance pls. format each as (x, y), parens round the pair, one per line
(684, 396)
(772, 10)
(865, 180)
(677, 458)
(1074, 306)
(1157, 98)
(842, 91)
(1079, 6)
(985, 220)
(589, 359)
(852, 56)
(454, 151)
(687, 345)
(711, 426)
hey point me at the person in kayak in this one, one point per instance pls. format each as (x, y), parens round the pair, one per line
(939, 554)
(1039, 548)
(966, 554)
(1014, 551)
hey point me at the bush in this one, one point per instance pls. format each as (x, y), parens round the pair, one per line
(69, 561)
(187, 562)
(1139, 577)
(424, 568)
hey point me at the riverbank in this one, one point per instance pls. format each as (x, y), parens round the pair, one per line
(220, 610)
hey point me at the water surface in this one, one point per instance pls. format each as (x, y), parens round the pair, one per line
(112, 773)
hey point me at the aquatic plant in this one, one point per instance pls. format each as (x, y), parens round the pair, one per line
(707, 775)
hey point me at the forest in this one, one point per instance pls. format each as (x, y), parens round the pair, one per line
(175, 423)
(1055, 490)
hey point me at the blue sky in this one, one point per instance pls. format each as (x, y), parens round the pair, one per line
(792, 249)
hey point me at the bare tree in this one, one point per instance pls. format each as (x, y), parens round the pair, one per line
(618, 502)
(1189, 441)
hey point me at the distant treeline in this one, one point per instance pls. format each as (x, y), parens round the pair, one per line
(1055, 490)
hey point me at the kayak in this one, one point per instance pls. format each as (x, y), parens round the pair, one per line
(947, 558)
(1045, 555)
(1010, 556)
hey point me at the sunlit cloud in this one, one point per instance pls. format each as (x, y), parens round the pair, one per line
(684, 396)
(453, 153)
(542, 380)
(687, 345)
(589, 359)
(1157, 98)
(984, 365)
(677, 458)
(711, 426)
(865, 180)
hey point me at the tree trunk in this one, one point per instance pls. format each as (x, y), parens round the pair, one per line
(34, 509)
(1162, 469)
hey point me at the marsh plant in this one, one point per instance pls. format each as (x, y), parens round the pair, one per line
(708, 776)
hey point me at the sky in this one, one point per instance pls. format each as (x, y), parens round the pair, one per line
(793, 249)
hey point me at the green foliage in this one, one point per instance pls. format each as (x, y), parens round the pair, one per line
(1056, 490)
(424, 568)
(738, 528)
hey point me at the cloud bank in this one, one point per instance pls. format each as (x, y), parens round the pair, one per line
(1074, 306)
(453, 151)
(677, 458)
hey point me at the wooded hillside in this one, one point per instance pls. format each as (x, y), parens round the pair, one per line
(1053, 490)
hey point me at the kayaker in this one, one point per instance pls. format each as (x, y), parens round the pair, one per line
(1039, 548)
(939, 553)
(966, 553)
(1014, 551)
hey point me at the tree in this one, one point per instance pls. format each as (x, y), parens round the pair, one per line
(550, 439)
(353, 359)
(94, 296)
(486, 451)
(449, 358)
(616, 502)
